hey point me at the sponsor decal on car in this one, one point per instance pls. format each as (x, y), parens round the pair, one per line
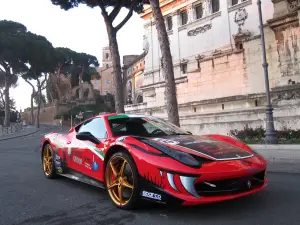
(105, 144)
(170, 142)
(91, 164)
(57, 162)
(120, 139)
(151, 195)
(88, 162)
(77, 160)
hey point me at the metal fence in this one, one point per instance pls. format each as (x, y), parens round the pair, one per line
(15, 127)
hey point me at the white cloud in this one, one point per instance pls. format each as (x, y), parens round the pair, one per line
(81, 29)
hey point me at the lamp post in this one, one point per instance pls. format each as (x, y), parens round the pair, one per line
(270, 136)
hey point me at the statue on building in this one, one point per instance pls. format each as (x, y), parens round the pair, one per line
(145, 44)
(190, 14)
(206, 7)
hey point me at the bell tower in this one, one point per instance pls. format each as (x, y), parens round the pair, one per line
(106, 58)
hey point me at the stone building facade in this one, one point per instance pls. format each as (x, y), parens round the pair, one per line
(217, 56)
(105, 82)
(133, 72)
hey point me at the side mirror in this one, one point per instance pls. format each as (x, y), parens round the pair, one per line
(87, 136)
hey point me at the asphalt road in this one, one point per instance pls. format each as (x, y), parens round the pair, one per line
(27, 197)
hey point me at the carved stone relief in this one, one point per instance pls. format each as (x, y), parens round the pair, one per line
(288, 51)
(240, 17)
(199, 30)
(286, 95)
(293, 4)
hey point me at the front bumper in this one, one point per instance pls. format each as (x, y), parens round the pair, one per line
(228, 189)
(183, 190)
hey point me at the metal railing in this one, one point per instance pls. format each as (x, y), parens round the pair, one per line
(15, 127)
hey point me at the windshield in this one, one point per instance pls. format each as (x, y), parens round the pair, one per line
(142, 126)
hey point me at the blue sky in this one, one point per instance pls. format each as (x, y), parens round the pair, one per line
(81, 29)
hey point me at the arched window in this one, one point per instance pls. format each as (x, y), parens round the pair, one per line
(140, 99)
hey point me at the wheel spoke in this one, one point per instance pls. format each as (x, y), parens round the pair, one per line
(113, 169)
(120, 193)
(126, 184)
(114, 184)
(49, 168)
(122, 168)
(116, 180)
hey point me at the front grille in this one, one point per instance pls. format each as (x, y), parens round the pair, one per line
(230, 186)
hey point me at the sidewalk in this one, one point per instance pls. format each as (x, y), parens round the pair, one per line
(278, 152)
(281, 158)
(27, 130)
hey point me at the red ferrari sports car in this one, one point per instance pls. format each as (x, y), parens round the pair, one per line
(139, 157)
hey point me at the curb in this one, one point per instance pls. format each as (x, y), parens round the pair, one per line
(21, 135)
(276, 147)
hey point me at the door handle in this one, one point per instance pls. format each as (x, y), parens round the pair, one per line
(68, 142)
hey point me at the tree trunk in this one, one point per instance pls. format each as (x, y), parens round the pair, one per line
(31, 109)
(113, 44)
(39, 104)
(38, 107)
(31, 102)
(6, 96)
(167, 64)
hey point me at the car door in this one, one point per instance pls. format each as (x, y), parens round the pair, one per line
(93, 157)
(74, 151)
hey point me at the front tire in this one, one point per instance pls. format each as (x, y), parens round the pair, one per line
(48, 162)
(122, 181)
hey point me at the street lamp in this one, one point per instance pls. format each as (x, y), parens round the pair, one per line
(270, 136)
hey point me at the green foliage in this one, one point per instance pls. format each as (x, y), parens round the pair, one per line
(12, 45)
(43, 99)
(257, 135)
(40, 55)
(68, 4)
(83, 65)
(76, 64)
(12, 104)
(11, 27)
(12, 80)
(64, 57)
(97, 108)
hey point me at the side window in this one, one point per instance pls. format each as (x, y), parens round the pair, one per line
(96, 127)
(149, 127)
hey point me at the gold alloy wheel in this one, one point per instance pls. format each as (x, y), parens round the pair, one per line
(47, 161)
(119, 180)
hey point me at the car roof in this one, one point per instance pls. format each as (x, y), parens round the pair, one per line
(105, 115)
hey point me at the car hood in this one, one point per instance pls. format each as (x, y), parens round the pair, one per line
(201, 145)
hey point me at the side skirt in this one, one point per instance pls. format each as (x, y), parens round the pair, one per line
(62, 169)
(83, 178)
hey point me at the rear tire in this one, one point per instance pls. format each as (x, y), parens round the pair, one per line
(121, 175)
(48, 162)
